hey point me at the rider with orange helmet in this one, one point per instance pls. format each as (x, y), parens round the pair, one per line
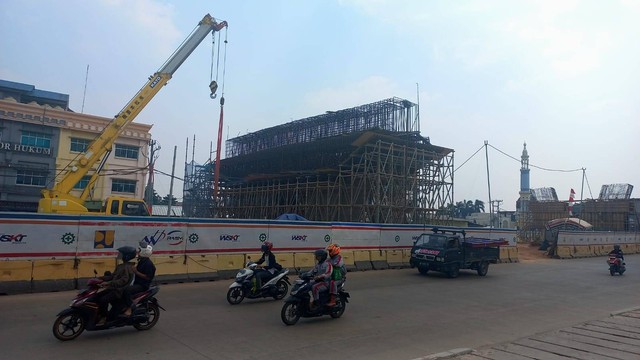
(338, 273)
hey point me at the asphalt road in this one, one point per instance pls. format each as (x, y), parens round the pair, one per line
(393, 314)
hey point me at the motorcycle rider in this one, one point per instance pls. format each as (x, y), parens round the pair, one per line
(116, 282)
(321, 274)
(338, 274)
(617, 252)
(144, 272)
(269, 268)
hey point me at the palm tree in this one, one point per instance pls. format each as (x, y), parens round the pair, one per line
(478, 206)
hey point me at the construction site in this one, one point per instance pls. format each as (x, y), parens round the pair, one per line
(613, 210)
(368, 163)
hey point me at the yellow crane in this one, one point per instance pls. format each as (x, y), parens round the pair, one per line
(59, 199)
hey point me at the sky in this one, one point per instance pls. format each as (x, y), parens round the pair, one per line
(561, 76)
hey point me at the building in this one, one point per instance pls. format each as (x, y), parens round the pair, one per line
(40, 135)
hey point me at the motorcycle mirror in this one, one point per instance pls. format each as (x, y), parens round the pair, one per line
(248, 257)
(95, 273)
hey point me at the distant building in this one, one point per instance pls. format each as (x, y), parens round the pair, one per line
(40, 135)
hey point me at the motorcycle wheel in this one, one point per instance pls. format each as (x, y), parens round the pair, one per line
(337, 314)
(153, 315)
(235, 295)
(68, 327)
(290, 313)
(282, 288)
(612, 272)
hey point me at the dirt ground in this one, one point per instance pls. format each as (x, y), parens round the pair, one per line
(528, 253)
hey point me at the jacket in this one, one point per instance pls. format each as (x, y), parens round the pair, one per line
(271, 261)
(322, 270)
(145, 266)
(121, 277)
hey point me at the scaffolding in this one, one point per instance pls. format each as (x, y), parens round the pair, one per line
(363, 164)
(197, 196)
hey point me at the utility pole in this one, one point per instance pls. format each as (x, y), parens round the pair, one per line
(148, 198)
(173, 172)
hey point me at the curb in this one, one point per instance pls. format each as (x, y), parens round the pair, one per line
(620, 312)
(446, 354)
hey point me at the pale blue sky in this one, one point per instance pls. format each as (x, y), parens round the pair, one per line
(560, 75)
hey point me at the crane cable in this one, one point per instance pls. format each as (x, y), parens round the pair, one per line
(216, 175)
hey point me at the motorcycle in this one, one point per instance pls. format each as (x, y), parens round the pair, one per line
(245, 285)
(616, 265)
(297, 304)
(82, 313)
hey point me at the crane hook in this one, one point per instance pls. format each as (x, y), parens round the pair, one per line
(213, 87)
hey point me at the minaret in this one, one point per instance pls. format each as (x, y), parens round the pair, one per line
(525, 191)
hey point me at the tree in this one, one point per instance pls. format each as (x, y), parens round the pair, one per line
(464, 208)
(165, 200)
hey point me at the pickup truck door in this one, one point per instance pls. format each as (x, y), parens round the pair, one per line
(454, 253)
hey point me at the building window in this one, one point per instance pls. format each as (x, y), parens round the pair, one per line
(31, 177)
(80, 185)
(123, 186)
(36, 139)
(79, 145)
(126, 151)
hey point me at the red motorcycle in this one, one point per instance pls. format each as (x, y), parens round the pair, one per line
(82, 313)
(616, 265)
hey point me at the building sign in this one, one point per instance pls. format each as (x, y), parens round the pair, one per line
(6, 146)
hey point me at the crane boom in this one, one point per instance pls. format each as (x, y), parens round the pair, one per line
(59, 199)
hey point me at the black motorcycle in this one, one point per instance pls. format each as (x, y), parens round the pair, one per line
(82, 313)
(616, 265)
(297, 304)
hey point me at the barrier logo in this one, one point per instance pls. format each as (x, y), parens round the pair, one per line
(327, 238)
(174, 237)
(228, 237)
(104, 239)
(13, 238)
(299, 237)
(193, 238)
(68, 238)
(397, 238)
(263, 237)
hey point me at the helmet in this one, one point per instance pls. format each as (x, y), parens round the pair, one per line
(333, 249)
(126, 253)
(145, 251)
(320, 255)
(266, 246)
(616, 247)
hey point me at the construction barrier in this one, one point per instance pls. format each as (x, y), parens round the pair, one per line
(55, 252)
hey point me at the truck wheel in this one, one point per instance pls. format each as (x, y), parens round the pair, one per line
(454, 271)
(423, 269)
(483, 268)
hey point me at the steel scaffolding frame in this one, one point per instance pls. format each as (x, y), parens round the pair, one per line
(363, 164)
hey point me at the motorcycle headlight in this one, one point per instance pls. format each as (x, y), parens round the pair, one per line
(439, 258)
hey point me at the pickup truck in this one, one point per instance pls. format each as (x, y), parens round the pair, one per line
(448, 251)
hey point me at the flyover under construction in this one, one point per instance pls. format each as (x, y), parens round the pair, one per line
(363, 164)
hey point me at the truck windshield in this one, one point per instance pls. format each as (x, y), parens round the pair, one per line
(432, 241)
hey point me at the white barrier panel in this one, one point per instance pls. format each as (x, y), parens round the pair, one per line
(101, 236)
(356, 236)
(226, 236)
(494, 234)
(401, 236)
(299, 235)
(566, 237)
(37, 236)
